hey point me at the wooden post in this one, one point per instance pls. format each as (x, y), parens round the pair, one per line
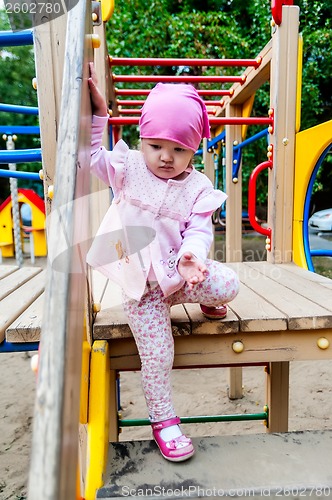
(54, 458)
(234, 191)
(209, 172)
(233, 224)
(283, 79)
(101, 202)
(100, 193)
(277, 396)
(49, 45)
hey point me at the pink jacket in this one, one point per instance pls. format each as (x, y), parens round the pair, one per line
(151, 222)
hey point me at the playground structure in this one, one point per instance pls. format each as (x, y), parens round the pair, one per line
(35, 230)
(287, 323)
(22, 215)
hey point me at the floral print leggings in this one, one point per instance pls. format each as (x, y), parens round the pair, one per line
(149, 320)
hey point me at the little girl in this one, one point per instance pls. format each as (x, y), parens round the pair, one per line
(155, 238)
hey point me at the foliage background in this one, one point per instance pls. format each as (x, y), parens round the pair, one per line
(204, 29)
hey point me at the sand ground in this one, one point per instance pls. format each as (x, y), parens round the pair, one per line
(196, 392)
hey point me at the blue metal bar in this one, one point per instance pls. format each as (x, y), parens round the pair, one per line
(19, 129)
(251, 139)
(16, 39)
(321, 253)
(20, 156)
(32, 176)
(18, 347)
(306, 210)
(211, 143)
(13, 108)
(237, 150)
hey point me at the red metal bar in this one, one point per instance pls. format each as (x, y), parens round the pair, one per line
(130, 102)
(214, 103)
(136, 92)
(130, 111)
(157, 61)
(180, 79)
(138, 112)
(140, 103)
(267, 231)
(233, 120)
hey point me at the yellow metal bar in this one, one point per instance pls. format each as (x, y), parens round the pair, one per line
(299, 84)
(98, 418)
(246, 112)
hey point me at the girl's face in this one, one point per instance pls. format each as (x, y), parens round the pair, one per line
(166, 159)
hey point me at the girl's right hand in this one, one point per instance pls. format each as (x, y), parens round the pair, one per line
(98, 103)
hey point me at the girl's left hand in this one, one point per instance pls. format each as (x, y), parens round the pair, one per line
(98, 103)
(192, 270)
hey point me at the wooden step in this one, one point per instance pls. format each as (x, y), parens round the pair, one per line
(18, 296)
(289, 465)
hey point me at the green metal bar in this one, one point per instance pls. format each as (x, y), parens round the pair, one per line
(199, 419)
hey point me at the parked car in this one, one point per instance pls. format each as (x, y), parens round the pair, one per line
(322, 220)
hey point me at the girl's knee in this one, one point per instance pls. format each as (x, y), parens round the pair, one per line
(232, 284)
(225, 282)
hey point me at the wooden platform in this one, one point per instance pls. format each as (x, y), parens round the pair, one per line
(290, 465)
(279, 314)
(282, 313)
(21, 299)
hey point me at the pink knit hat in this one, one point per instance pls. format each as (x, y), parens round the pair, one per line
(175, 112)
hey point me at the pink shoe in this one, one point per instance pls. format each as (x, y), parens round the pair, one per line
(176, 450)
(219, 312)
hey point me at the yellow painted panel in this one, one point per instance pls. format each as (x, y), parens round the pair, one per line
(107, 9)
(310, 144)
(98, 417)
(38, 223)
(299, 84)
(246, 112)
(85, 382)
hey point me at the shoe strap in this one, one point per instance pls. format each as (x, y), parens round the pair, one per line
(157, 426)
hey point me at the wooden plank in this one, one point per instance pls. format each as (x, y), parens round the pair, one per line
(14, 280)
(277, 396)
(301, 312)
(26, 328)
(255, 313)
(209, 171)
(283, 101)
(180, 320)
(6, 270)
(312, 290)
(216, 350)
(54, 456)
(310, 276)
(14, 304)
(49, 42)
(234, 190)
(111, 323)
(255, 78)
(202, 325)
